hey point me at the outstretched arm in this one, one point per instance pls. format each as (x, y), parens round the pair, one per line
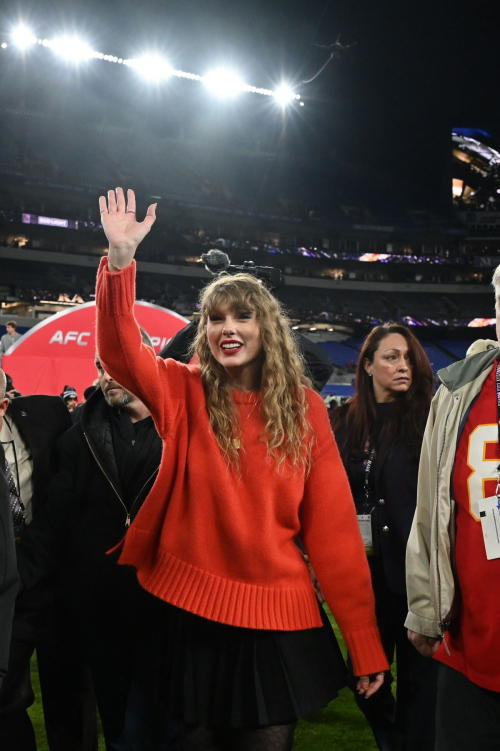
(331, 536)
(134, 365)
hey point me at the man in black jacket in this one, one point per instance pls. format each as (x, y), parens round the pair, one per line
(8, 569)
(31, 426)
(108, 463)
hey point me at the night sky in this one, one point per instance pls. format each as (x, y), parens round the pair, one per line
(377, 121)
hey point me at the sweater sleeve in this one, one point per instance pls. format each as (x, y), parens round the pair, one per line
(330, 533)
(159, 384)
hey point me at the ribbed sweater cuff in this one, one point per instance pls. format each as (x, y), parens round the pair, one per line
(366, 652)
(115, 293)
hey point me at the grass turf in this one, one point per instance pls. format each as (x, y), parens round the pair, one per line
(339, 727)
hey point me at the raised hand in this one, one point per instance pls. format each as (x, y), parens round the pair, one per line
(122, 229)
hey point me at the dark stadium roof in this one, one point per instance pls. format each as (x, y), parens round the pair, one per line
(376, 123)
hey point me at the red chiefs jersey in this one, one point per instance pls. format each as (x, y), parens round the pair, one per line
(474, 638)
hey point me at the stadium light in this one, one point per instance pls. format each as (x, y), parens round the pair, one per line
(284, 95)
(22, 37)
(223, 83)
(151, 67)
(71, 48)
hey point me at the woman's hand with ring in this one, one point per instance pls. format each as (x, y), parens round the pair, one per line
(122, 229)
(369, 687)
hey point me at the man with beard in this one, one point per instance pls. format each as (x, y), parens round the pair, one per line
(108, 463)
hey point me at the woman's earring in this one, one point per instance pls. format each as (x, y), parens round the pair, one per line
(370, 375)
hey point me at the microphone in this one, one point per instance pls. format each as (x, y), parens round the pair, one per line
(215, 261)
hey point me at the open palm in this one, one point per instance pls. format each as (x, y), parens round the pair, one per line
(122, 229)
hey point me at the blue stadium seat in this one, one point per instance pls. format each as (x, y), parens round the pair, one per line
(455, 346)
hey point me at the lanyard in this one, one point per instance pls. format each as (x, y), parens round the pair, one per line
(369, 465)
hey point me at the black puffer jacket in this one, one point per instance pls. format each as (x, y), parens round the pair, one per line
(84, 516)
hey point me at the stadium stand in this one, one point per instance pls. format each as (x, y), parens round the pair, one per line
(455, 347)
(437, 358)
(341, 355)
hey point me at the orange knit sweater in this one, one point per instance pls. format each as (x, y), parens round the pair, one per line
(223, 546)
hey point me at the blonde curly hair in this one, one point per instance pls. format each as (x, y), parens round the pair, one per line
(283, 406)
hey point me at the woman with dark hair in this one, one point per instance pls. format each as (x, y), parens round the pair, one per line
(379, 433)
(238, 646)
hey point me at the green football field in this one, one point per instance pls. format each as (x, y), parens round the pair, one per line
(340, 726)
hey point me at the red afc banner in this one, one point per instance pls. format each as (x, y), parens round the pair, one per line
(61, 349)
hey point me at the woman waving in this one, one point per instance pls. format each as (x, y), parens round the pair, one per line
(239, 646)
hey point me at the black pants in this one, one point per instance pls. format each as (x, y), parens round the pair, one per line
(468, 716)
(406, 723)
(114, 621)
(67, 696)
(109, 654)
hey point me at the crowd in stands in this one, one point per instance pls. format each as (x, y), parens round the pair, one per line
(52, 282)
(365, 257)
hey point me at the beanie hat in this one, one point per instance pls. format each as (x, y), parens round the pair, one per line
(69, 393)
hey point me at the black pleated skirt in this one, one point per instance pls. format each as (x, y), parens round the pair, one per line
(200, 671)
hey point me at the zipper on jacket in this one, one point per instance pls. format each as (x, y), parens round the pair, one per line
(127, 520)
(442, 628)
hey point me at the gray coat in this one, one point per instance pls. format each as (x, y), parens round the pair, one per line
(6, 341)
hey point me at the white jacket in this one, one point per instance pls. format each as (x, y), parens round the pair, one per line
(430, 576)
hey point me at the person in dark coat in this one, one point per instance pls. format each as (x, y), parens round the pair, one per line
(379, 433)
(31, 427)
(76, 414)
(8, 569)
(108, 464)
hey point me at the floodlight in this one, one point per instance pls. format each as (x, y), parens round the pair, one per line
(71, 48)
(152, 67)
(284, 95)
(223, 83)
(22, 37)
